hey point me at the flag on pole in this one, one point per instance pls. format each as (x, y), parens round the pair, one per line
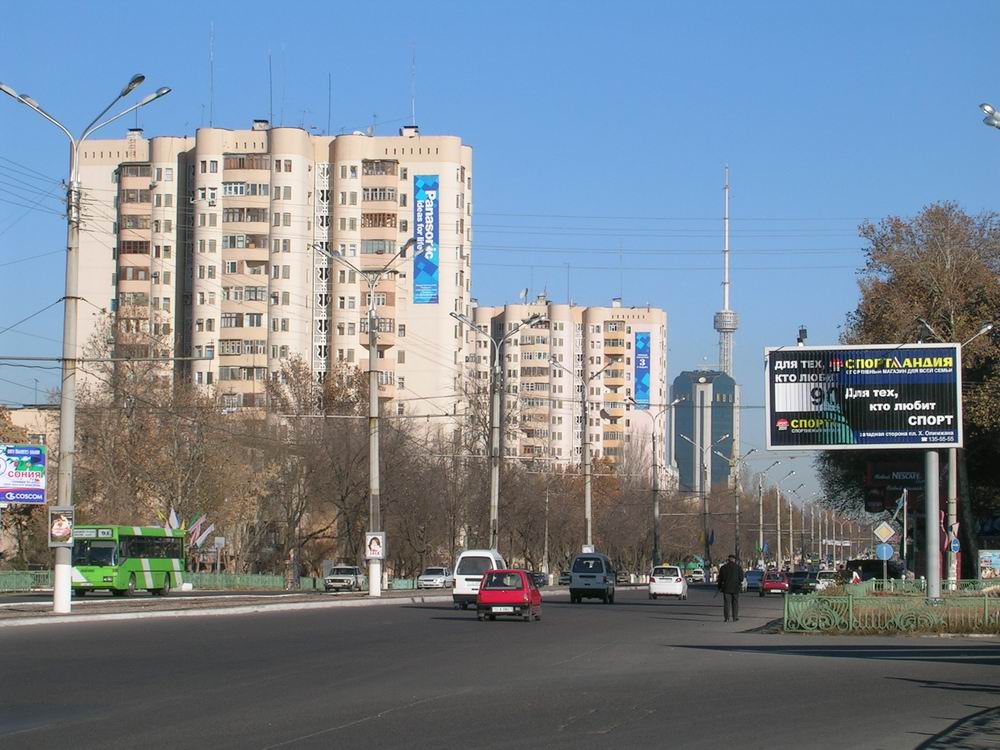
(204, 535)
(173, 520)
(195, 527)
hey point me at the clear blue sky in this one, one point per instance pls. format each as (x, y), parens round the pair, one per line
(600, 133)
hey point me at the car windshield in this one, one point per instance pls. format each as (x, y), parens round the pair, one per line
(474, 565)
(665, 572)
(86, 552)
(800, 575)
(434, 572)
(503, 582)
(826, 575)
(343, 571)
(588, 565)
(775, 577)
(754, 574)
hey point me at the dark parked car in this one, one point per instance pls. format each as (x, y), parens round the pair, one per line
(802, 582)
(540, 579)
(565, 578)
(869, 569)
(623, 577)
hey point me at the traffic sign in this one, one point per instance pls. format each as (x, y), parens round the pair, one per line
(884, 532)
(883, 551)
(956, 546)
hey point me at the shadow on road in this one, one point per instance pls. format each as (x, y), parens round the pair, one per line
(965, 687)
(976, 655)
(979, 730)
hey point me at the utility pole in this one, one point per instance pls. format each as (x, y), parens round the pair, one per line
(643, 409)
(705, 488)
(496, 391)
(760, 509)
(373, 277)
(62, 584)
(777, 489)
(585, 440)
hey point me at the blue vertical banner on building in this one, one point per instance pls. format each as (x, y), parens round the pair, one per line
(641, 388)
(426, 260)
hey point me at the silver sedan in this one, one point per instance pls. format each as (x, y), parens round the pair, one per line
(435, 578)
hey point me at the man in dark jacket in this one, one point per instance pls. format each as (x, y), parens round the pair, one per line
(730, 583)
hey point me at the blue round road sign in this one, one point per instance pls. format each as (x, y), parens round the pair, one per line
(883, 551)
(955, 545)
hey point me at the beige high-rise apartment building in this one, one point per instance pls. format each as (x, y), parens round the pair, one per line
(218, 245)
(546, 399)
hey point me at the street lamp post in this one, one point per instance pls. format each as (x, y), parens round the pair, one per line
(657, 559)
(496, 388)
(372, 277)
(735, 462)
(585, 441)
(61, 590)
(791, 527)
(760, 509)
(705, 487)
(777, 515)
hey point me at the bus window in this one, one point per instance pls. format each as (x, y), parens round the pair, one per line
(87, 552)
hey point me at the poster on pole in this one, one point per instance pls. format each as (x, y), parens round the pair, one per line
(375, 545)
(22, 474)
(863, 397)
(426, 258)
(61, 527)
(641, 385)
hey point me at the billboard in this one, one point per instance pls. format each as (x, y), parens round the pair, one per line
(22, 474)
(426, 259)
(641, 385)
(871, 397)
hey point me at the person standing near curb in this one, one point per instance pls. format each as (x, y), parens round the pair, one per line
(729, 582)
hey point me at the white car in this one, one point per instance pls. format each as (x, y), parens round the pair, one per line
(825, 579)
(435, 578)
(696, 576)
(345, 578)
(666, 580)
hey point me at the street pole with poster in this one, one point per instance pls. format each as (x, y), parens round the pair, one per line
(872, 397)
(375, 554)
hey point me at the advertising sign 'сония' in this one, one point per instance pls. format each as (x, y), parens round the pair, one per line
(22, 474)
(845, 397)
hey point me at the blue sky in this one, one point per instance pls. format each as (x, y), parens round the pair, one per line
(600, 133)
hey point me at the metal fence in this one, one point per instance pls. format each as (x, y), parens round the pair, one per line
(892, 613)
(12, 581)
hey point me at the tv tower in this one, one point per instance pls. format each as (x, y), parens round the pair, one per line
(726, 321)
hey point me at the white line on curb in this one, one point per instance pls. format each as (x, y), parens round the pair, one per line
(246, 609)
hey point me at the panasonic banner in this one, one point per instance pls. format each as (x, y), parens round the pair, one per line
(839, 397)
(641, 386)
(426, 260)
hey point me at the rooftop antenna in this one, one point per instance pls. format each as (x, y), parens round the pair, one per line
(621, 271)
(413, 86)
(211, 74)
(270, 91)
(329, 100)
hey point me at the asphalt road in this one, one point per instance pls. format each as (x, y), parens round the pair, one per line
(634, 674)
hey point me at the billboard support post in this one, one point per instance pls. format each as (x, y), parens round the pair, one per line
(932, 525)
(953, 573)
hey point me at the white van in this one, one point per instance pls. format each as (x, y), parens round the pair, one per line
(469, 569)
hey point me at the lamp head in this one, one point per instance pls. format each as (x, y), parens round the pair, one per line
(133, 82)
(988, 109)
(29, 101)
(992, 120)
(8, 90)
(155, 95)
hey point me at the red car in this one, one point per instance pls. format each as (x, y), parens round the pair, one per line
(774, 582)
(510, 593)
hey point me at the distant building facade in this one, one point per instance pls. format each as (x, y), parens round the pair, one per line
(706, 424)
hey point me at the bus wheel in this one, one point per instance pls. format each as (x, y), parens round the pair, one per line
(165, 591)
(130, 591)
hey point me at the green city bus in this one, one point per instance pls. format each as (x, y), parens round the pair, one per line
(125, 559)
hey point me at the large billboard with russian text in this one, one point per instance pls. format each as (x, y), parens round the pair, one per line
(22, 474)
(426, 257)
(850, 397)
(641, 385)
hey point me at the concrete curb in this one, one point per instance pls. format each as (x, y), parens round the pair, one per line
(243, 609)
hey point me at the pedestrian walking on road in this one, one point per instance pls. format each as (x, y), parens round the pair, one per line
(730, 582)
